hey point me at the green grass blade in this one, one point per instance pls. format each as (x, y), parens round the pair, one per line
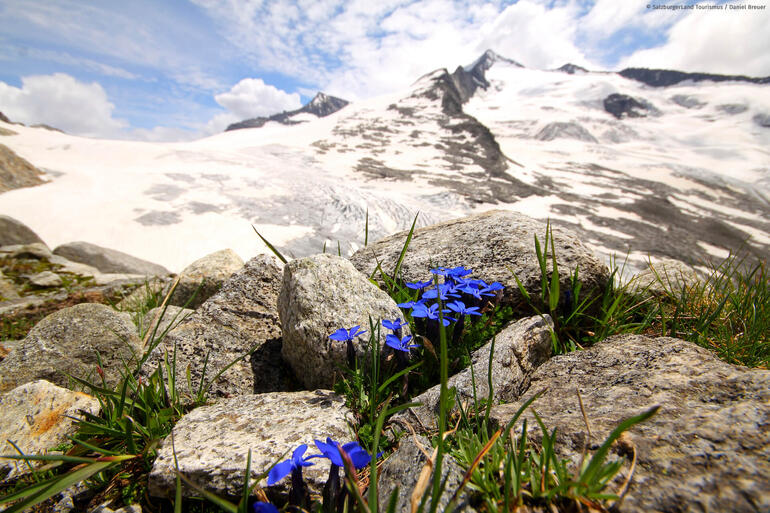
(60, 484)
(598, 458)
(270, 246)
(366, 228)
(397, 268)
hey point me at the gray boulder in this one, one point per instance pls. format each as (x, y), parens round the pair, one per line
(68, 342)
(519, 349)
(319, 295)
(402, 469)
(212, 442)
(208, 273)
(108, 260)
(16, 172)
(38, 416)
(16, 232)
(493, 244)
(708, 447)
(240, 318)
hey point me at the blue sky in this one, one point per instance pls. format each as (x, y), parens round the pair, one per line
(178, 69)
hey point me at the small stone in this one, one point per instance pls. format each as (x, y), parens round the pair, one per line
(46, 279)
(212, 442)
(38, 416)
(36, 250)
(519, 349)
(319, 295)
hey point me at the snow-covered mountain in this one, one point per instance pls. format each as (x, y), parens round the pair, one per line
(634, 164)
(320, 106)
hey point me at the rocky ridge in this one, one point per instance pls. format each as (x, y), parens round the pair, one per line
(321, 105)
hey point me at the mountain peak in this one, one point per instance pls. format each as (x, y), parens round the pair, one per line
(487, 59)
(572, 69)
(321, 105)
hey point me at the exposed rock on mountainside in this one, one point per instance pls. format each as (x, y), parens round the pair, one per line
(15, 172)
(4, 118)
(572, 69)
(570, 130)
(622, 105)
(321, 106)
(667, 77)
(687, 102)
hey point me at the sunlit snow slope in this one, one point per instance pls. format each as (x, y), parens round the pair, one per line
(689, 180)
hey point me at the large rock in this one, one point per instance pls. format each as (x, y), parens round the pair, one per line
(36, 250)
(204, 277)
(108, 260)
(16, 232)
(70, 341)
(707, 449)
(15, 172)
(171, 318)
(239, 318)
(38, 416)
(492, 244)
(402, 469)
(519, 349)
(321, 294)
(212, 442)
(664, 277)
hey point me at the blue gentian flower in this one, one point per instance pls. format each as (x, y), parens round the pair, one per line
(446, 290)
(393, 325)
(331, 450)
(411, 304)
(490, 289)
(459, 272)
(440, 271)
(343, 335)
(471, 290)
(285, 468)
(263, 507)
(400, 344)
(419, 285)
(430, 312)
(459, 308)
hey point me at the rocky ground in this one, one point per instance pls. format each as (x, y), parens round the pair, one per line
(705, 450)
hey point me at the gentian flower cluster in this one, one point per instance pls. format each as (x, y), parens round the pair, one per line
(347, 336)
(331, 450)
(461, 296)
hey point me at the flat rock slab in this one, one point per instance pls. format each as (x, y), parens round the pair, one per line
(38, 416)
(212, 442)
(240, 317)
(493, 244)
(319, 295)
(519, 349)
(708, 447)
(68, 341)
(108, 260)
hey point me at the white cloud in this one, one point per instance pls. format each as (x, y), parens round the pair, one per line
(63, 102)
(251, 97)
(721, 41)
(537, 36)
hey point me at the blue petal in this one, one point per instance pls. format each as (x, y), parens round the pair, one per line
(278, 472)
(264, 507)
(341, 335)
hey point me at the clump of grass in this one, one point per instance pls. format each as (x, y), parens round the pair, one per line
(727, 312)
